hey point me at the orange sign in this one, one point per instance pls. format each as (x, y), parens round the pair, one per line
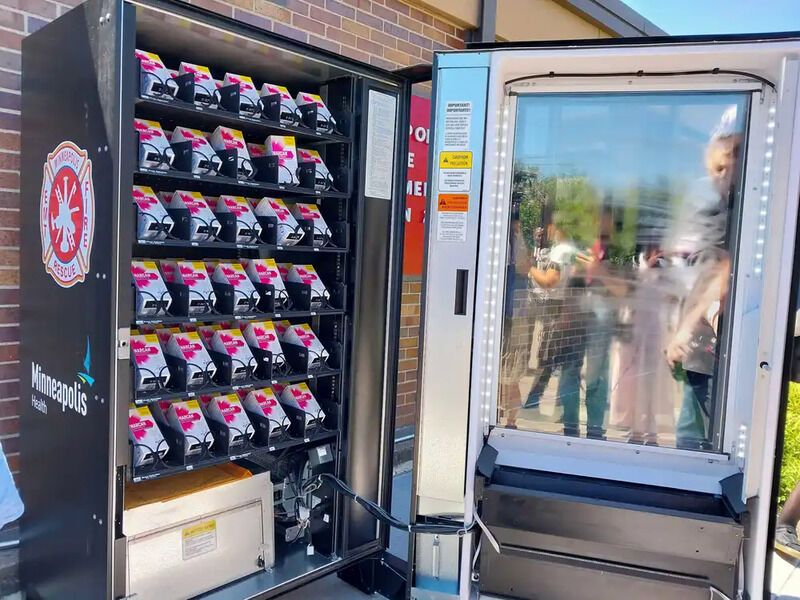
(453, 202)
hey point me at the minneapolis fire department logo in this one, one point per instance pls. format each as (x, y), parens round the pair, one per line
(66, 214)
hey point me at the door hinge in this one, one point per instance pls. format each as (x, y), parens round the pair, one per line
(123, 343)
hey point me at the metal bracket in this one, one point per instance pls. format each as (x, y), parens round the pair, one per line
(123, 343)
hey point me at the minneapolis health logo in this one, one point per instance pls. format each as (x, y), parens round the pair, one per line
(70, 395)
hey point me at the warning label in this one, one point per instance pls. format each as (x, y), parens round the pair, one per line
(455, 160)
(199, 539)
(453, 202)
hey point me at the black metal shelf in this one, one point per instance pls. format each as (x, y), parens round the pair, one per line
(141, 400)
(164, 470)
(141, 245)
(177, 112)
(215, 317)
(218, 184)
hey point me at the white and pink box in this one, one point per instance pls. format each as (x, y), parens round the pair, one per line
(226, 138)
(299, 396)
(288, 232)
(231, 342)
(227, 411)
(265, 271)
(154, 149)
(248, 229)
(322, 176)
(249, 105)
(151, 370)
(304, 337)
(187, 421)
(148, 442)
(204, 160)
(204, 86)
(200, 369)
(203, 225)
(264, 336)
(325, 121)
(264, 404)
(207, 333)
(153, 222)
(281, 327)
(152, 296)
(245, 296)
(192, 274)
(310, 212)
(308, 275)
(256, 150)
(288, 110)
(284, 147)
(283, 269)
(155, 80)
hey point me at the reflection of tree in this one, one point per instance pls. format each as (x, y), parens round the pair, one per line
(577, 209)
(533, 193)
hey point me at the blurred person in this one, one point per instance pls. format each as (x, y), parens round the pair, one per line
(702, 237)
(786, 526)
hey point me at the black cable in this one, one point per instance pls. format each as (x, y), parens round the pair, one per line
(641, 73)
(451, 528)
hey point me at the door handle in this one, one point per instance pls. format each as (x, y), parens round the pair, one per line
(462, 283)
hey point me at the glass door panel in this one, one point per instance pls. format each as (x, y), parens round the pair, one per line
(619, 265)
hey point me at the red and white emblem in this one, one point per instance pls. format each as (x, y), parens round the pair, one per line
(66, 214)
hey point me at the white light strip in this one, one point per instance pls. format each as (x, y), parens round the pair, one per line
(763, 213)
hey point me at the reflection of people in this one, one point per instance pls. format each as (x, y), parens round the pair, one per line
(703, 241)
(786, 528)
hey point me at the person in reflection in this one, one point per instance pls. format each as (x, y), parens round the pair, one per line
(701, 240)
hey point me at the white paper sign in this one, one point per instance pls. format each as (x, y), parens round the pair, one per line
(199, 539)
(454, 180)
(457, 123)
(379, 172)
(451, 227)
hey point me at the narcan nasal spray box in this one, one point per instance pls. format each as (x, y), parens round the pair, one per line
(245, 296)
(225, 138)
(148, 442)
(150, 365)
(322, 176)
(204, 159)
(325, 121)
(263, 403)
(152, 297)
(248, 229)
(288, 110)
(154, 149)
(308, 275)
(284, 147)
(187, 421)
(256, 150)
(155, 80)
(154, 223)
(204, 86)
(249, 105)
(200, 369)
(232, 343)
(228, 411)
(304, 336)
(192, 274)
(288, 232)
(281, 327)
(265, 271)
(299, 396)
(203, 224)
(310, 212)
(264, 336)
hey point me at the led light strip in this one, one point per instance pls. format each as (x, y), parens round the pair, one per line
(763, 213)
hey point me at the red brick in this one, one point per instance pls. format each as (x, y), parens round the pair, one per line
(11, 446)
(411, 49)
(427, 55)
(421, 16)
(434, 34)
(326, 17)
(408, 343)
(10, 120)
(395, 30)
(340, 9)
(8, 296)
(296, 6)
(252, 19)
(289, 32)
(10, 39)
(398, 6)
(10, 100)
(444, 26)
(455, 42)
(406, 387)
(9, 179)
(401, 58)
(348, 39)
(41, 8)
(369, 20)
(8, 408)
(384, 13)
(383, 39)
(307, 24)
(9, 277)
(407, 365)
(324, 43)
(9, 257)
(411, 24)
(355, 54)
(10, 60)
(9, 237)
(13, 464)
(9, 389)
(9, 141)
(356, 28)
(214, 6)
(368, 46)
(9, 315)
(9, 352)
(10, 81)
(362, 4)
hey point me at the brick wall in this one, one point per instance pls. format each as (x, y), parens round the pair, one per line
(385, 33)
(409, 352)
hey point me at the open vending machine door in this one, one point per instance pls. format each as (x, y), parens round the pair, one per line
(610, 250)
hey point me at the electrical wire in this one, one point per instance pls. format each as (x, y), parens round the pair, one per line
(452, 528)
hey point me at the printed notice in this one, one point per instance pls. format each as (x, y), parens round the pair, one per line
(455, 171)
(451, 217)
(379, 171)
(199, 539)
(457, 122)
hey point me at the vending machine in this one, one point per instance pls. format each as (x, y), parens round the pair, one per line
(211, 232)
(607, 302)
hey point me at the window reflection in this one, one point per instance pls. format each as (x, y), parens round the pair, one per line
(618, 265)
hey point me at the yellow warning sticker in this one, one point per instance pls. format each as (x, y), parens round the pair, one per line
(199, 539)
(455, 160)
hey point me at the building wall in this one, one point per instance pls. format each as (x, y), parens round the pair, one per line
(385, 33)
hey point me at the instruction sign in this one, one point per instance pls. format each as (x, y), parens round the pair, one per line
(455, 171)
(457, 123)
(199, 539)
(451, 220)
